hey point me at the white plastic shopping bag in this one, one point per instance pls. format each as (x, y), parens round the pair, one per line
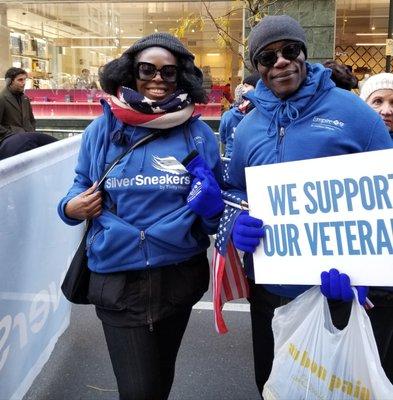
(315, 360)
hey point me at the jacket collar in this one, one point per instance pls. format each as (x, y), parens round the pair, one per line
(280, 112)
(11, 98)
(317, 82)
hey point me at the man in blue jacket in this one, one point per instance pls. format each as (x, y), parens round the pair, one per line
(299, 114)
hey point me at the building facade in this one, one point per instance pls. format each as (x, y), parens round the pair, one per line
(54, 41)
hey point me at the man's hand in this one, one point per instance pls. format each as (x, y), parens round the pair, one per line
(86, 205)
(336, 286)
(247, 232)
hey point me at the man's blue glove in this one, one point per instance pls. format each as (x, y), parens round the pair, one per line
(205, 196)
(247, 232)
(336, 286)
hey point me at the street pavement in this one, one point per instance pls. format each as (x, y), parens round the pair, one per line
(209, 366)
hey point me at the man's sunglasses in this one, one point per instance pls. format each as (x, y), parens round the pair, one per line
(290, 51)
(146, 72)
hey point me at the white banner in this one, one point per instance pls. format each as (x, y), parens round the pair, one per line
(35, 249)
(333, 212)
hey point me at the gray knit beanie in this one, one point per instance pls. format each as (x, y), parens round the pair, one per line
(161, 39)
(274, 28)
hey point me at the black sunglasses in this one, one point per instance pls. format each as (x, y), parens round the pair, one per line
(146, 72)
(290, 51)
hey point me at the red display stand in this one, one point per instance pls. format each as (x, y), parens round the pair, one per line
(85, 104)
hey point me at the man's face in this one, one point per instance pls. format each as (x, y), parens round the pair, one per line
(18, 83)
(284, 76)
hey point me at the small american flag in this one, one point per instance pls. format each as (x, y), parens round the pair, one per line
(225, 168)
(229, 280)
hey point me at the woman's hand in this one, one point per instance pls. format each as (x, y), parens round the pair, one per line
(205, 197)
(86, 205)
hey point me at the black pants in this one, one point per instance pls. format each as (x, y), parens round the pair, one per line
(20, 142)
(263, 303)
(144, 361)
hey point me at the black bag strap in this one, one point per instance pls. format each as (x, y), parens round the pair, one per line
(146, 139)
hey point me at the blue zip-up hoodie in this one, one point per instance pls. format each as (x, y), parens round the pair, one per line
(318, 120)
(229, 121)
(150, 224)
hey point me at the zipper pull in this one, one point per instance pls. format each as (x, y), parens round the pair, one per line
(141, 238)
(282, 132)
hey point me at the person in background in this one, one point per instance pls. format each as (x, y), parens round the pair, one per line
(226, 92)
(282, 128)
(17, 122)
(231, 118)
(377, 92)
(226, 98)
(207, 79)
(342, 75)
(84, 81)
(152, 220)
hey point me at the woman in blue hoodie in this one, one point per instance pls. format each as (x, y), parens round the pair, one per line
(299, 114)
(150, 225)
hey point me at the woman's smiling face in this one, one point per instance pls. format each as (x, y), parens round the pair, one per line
(156, 89)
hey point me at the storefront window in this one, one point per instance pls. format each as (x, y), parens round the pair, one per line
(361, 33)
(62, 45)
(54, 42)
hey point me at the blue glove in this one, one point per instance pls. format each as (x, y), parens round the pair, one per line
(196, 165)
(247, 232)
(336, 286)
(205, 195)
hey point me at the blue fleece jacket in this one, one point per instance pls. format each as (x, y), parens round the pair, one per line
(151, 225)
(318, 120)
(228, 123)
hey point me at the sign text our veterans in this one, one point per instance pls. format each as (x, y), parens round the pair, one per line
(334, 212)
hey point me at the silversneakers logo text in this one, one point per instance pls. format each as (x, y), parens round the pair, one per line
(175, 175)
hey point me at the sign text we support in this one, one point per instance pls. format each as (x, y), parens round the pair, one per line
(324, 213)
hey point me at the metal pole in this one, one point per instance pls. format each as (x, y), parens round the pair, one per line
(390, 31)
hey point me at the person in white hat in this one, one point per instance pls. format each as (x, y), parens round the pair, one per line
(377, 92)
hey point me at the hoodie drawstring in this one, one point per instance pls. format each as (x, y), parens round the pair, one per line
(127, 158)
(143, 159)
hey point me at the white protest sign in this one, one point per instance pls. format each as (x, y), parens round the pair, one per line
(333, 212)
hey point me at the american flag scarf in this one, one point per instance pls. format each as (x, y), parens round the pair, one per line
(229, 280)
(132, 108)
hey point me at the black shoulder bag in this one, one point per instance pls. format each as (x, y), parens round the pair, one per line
(75, 286)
